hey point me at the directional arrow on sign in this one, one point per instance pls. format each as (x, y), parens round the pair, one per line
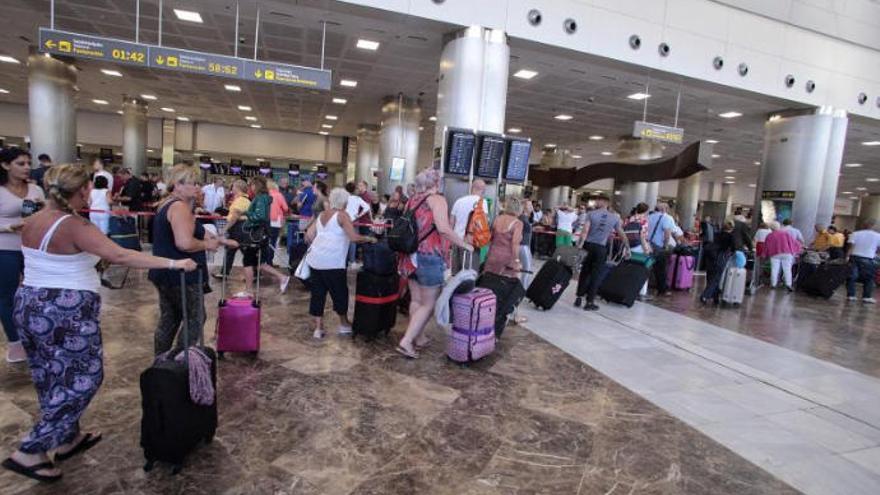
(258, 74)
(160, 59)
(50, 44)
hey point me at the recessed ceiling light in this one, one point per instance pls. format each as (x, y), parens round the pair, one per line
(433, 118)
(606, 153)
(846, 192)
(100, 102)
(872, 179)
(712, 141)
(563, 116)
(852, 165)
(348, 83)
(340, 101)
(421, 128)
(729, 115)
(327, 126)
(149, 150)
(188, 15)
(111, 72)
(167, 109)
(757, 163)
(245, 108)
(576, 156)
(4, 91)
(251, 118)
(596, 138)
(730, 171)
(119, 112)
(753, 185)
(871, 143)
(149, 97)
(861, 189)
(729, 182)
(367, 44)
(715, 155)
(514, 130)
(260, 160)
(331, 117)
(8, 59)
(730, 177)
(638, 96)
(550, 145)
(525, 74)
(256, 126)
(232, 87)
(183, 119)
(324, 133)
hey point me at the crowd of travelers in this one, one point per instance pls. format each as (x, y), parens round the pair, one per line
(51, 313)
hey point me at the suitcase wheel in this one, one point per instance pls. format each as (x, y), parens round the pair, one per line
(149, 465)
(255, 354)
(220, 354)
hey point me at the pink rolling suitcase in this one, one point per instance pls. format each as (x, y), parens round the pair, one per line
(680, 272)
(473, 326)
(238, 320)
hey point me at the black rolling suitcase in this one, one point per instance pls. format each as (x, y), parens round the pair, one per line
(508, 292)
(623, 284)
(172, 424)
(549, 284)
(375, 304)
(826, 278)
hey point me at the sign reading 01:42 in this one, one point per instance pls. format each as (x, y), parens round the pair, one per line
(81, 45)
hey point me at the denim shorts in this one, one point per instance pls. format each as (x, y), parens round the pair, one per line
(429, 272)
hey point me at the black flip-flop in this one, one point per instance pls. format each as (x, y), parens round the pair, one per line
(87, 442)
(31, 471)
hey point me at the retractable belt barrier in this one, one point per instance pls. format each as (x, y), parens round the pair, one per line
(127, 213)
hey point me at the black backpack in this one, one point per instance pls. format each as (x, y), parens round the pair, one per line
(403, 236)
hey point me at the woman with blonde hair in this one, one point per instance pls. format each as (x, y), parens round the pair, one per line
(503, 258)
(178, 236)
(57, 311)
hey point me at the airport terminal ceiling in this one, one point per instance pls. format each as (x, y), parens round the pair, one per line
(593, 92)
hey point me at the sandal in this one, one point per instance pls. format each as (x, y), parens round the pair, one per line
(406, 353)
(31, 471)
(425, 345)
(88, 441)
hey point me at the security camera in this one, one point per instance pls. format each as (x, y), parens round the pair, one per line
(718, 63)
(534, 17)
(789, 81)
(635, 42)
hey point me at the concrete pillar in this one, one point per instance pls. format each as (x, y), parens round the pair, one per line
(727, 199)
(795, 157)
(652, 191)
(52, 107)
(831, 174)
(552, 197)
(169, 135)
(398, 138)
(367, 153)
(688, 199)
(869, 209)
(134, 134)
(472, 92)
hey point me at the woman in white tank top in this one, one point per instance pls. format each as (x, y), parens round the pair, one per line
(331, 233)
(57, 312)
(99, 199)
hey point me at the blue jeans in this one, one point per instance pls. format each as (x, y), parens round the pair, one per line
(11, 266)
(429, 272)
(861, 270)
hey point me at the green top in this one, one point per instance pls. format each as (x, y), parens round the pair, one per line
(258, 212)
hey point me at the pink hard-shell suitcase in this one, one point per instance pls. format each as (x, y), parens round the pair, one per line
(473, 326)
(238, 321)
(680, 272)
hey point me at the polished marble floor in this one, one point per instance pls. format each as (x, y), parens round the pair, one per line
(343, 417)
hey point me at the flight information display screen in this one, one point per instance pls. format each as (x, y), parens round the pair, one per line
(459, 152)
(517, 166)
(489, 156)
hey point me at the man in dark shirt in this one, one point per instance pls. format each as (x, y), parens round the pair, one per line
(38, 173)
(131, 194)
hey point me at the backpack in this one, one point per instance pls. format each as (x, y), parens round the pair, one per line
(403, 236)
(478, 226)
(633, 231)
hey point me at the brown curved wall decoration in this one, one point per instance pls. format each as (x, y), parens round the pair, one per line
(678, 166)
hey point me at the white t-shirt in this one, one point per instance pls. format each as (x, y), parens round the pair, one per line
(865, 243)
(462, 209)
(356, 207)
(565, 220)
(761, 235)
(215, 197)
(108, 176)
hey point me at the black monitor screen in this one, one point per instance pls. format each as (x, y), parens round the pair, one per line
(517, 160)
(459, 152)
(489, 157)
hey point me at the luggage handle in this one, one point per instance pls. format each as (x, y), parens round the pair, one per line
(185, 312)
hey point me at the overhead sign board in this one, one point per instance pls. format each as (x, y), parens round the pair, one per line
(777, 194)
(195, 62)
(290, 75)
(160, 57)
(94, 47)
(657, 132)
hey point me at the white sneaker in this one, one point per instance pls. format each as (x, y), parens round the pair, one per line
(284, 284)
(15, 353)
(852, 298)
(318, 334)
(355, 266)
(242, 295)
(869, 300)
(343, 330)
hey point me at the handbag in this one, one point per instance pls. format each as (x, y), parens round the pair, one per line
(303, 270)
(643, 259)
